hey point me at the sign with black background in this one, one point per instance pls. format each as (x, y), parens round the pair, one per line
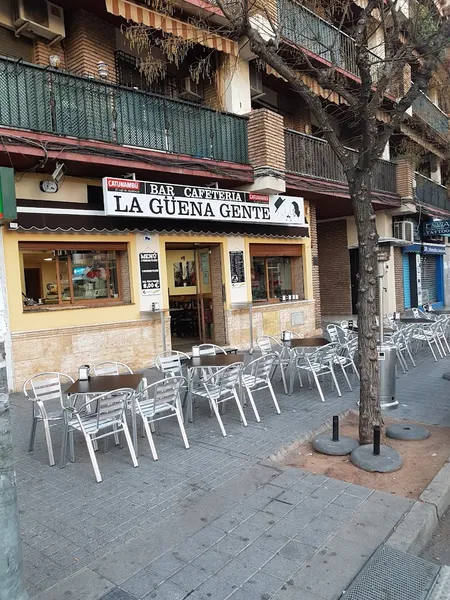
(149, 269)
(237, 267)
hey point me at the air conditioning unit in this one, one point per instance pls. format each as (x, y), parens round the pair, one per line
(404, 230)
(256, 84)
(39, 18)
(191, 90)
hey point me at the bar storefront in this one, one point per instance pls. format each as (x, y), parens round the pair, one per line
(134, 267)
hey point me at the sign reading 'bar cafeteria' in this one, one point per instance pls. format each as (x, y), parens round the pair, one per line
(130, 198)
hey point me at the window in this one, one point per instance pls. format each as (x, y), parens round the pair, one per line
(72, 275)
(271, 277)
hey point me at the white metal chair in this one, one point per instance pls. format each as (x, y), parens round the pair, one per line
(428, 334)
(270, 345)
(220, 387)
(158, 401)
(320, 363)
(337, 334)
(291, 335)
(345, 355)
(109, 367)
(211, 349)
(109, 419)
(170, 363)
(46, 389)
(256, 377)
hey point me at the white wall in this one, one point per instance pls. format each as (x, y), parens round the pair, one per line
(236, 85)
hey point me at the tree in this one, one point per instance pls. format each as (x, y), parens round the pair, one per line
(389, 46)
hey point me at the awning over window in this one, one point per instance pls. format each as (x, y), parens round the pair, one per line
(151, 18)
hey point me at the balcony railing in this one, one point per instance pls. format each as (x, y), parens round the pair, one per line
(308, 30)
(307, 155)
(424, 108)
(430, 192)
(46, 100)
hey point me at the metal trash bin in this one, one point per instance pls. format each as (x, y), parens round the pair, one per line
(387, 358)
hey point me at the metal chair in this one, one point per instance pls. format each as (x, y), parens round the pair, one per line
(320, 363)
(158, 401)
(290, 335)
(211, 349)
(109, 419)
(345, 355)
(427, 333)
(170, 363)
(256, 377)
(270, 345)
(337, 334)
(220, 387)
(109, 368)
(44, 388)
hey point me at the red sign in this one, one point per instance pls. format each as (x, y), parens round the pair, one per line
(258, 198)
(123, 184)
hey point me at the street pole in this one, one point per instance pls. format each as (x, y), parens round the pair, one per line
(12, 586)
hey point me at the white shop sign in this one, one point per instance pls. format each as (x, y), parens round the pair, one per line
(130, 198)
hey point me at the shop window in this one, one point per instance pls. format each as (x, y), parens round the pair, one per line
(79, 275)
(271, 278)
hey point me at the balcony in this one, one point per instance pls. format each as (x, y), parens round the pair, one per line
(427, 111)
(432, 193)
(46, 100)
(307, 155)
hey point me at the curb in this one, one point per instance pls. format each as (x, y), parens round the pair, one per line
(418, 525)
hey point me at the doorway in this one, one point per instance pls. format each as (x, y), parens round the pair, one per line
(193, 274)
(354, 270)
(33, 283)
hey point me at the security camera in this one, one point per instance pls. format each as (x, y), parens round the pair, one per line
(59, 172)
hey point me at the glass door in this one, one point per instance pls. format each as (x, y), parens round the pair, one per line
(204, 295)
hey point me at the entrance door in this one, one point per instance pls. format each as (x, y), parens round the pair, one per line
(354, 270)
(204, 295)
(33, 285)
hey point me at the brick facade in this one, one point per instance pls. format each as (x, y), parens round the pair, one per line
(266, 140)
(334, 268)
(398, 270)
(42, 53)
(90, 40)
(220, 336)
(315, 263)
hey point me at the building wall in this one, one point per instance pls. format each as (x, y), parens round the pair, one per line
(398, 269)
(334, 268)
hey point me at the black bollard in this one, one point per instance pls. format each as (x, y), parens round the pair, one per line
(335, 428)
(376, 440)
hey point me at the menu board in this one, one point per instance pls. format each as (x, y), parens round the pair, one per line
(149, 269)
(237, 267)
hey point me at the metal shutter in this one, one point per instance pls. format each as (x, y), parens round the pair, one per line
(16, 47)
(429, 292)
(406, 281)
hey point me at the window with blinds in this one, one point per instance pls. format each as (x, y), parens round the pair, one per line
(15, 47)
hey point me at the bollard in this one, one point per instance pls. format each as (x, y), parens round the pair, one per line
(376, 440)
(335, 428)
(12, 585)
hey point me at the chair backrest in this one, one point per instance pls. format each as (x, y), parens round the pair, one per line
(211, 349)
(111, 406)
(336, 333)
(164, 391)
(323, 356)
(227, 377)
(109, 368)
(264, 344)
(170, 362)
(289, 335)
(46, 386)
(261, 368)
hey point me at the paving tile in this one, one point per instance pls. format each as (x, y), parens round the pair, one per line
(326, 523)
(166, 591)
(118, 594)
(270, 542)
(231, 544)
(211, 561)
(281, 567)
(83, 585)
(190, 577)
(263, 519)
(348, 501)
(255, 556)
(143, 582)
(312, 537)
(215, 588)
(241, 594)
(291, 497)
(262, 584)
(278, 508)
(289, 477)
(248, 531)
(292, 592)
(236, 571)
(296, 551)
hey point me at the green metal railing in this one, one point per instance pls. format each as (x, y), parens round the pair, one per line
(307, 155)
(308, 30)
(46, 100)
(424, 108)
(430, 192)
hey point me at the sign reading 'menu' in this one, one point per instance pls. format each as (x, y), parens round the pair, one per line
(130, 198)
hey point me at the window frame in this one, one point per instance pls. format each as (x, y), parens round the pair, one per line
(56, 247)
(266, 259)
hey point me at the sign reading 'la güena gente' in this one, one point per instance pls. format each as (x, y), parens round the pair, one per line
(130, 198)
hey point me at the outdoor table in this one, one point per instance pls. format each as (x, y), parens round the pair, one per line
(95, 386)
(208, 361)
(413, 320)
(310, 342)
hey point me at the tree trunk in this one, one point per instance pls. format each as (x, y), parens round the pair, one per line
(369, 410)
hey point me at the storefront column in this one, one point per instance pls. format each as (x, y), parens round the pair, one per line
(6, 357)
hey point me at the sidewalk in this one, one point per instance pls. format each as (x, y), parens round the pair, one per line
(218, 521)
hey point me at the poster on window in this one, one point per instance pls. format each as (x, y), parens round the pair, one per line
(237, 268)
(149, 269)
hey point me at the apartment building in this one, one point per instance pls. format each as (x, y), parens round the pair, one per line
(153, 212)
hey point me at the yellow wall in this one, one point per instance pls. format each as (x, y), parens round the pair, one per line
(71, 189)
(54, 318)
(172, 257)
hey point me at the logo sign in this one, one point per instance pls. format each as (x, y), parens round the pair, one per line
(149, 269)
(432, 228)
(129, 198)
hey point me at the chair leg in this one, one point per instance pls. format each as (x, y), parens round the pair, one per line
(410, 355)
(241, 412)
(62, 461)
(148, 431)
(335, 381)
(252, 402)
(116, 436)
(432, 351)
(274, 398)
(129, 441)
(217, 413)
(355, 369)
(316, 379)
(346, 377)
(48, 438)
(182, 429)
(283, 377)
(32, 434)
(90, 447)
(71, 446)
